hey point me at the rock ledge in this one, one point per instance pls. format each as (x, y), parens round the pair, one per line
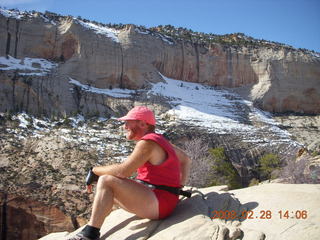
(193, 218)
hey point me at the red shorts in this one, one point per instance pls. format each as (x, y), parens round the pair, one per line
(167, 202)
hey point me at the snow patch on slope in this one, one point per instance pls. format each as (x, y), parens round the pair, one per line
(115, 92)
(219, 111)
(106, 31)
(27, 66)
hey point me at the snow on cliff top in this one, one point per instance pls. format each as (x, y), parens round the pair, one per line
(106, 31)
(11, 13)
(98, 29)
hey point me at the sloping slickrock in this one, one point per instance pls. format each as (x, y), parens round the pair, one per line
(192, 218)
(294, 198)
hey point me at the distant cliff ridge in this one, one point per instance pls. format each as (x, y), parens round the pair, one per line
(275, 77)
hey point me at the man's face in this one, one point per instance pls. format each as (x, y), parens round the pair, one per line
(133, 129)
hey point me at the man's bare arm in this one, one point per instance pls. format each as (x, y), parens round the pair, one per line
(138, 157)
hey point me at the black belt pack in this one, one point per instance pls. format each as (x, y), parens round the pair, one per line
(174, 190)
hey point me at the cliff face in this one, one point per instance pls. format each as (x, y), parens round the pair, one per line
(277, 79)
(28, 219)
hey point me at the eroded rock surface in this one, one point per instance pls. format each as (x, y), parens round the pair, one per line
(259, 214)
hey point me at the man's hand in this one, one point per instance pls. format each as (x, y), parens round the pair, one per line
(91, 178)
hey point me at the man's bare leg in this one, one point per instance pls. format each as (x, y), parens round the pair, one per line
(132, 196)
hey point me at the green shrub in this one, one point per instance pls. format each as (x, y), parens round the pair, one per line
(223, 170)
(253, 182)
(268, 163)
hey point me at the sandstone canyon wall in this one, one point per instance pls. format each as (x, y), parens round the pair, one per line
(276, 78)
(22, 218)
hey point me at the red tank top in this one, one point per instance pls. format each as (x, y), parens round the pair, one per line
(168, 172)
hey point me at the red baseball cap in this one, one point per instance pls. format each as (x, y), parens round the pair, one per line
(140, 113)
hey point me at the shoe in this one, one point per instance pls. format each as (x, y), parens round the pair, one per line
(80, 236)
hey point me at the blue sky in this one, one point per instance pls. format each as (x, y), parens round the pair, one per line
(293, 22)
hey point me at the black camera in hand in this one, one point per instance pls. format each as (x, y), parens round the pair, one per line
(91, 177)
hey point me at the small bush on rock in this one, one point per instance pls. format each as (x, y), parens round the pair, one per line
(269, 163)
(224, 171)
(253, 182)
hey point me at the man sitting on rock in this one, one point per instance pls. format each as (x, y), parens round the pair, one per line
(162, 170)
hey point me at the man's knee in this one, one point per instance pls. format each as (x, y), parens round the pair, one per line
(106, 181)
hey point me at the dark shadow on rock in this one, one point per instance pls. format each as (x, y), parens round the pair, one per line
(146, 232)
(145, 226)
(226, 207)
(250, 205)
(119, 226)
